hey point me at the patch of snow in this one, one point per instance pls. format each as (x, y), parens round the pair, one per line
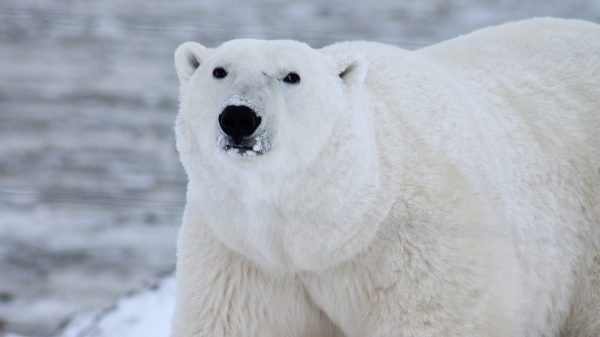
(238, 100)
(146, 313)
(262, 143)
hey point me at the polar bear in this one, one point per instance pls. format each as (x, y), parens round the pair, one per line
(363, 190)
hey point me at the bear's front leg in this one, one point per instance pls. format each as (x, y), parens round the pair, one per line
(220, 293)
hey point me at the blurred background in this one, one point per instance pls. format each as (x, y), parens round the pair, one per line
(91, 189)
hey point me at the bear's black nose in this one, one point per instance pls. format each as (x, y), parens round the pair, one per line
(238, 121)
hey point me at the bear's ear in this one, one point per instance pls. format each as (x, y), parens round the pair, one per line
(188, 57)
(351, 68)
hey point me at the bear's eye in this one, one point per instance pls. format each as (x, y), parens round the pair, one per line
(292, 78)
(219, 72)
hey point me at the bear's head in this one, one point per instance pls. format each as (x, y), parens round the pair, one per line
(275, 137)
(260, 103)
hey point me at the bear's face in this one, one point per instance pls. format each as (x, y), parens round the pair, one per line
(252, 103)
(273, 137)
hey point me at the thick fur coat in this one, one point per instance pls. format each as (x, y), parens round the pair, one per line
(448, 191)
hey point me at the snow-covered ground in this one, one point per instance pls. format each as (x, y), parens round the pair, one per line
(144, 313)
(91, 190)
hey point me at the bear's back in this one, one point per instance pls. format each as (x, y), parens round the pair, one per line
(547, 70)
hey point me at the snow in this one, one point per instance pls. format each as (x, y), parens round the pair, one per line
(91, 189)
(238, 100)
(262, 143)
(146, 313)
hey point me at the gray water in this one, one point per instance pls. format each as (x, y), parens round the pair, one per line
(91, 189)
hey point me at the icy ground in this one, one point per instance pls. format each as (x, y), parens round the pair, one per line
(142, 314)
(91, 190)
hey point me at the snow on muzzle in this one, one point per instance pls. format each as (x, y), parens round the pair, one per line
(241, 132)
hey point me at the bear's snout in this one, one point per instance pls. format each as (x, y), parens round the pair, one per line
(238, 121)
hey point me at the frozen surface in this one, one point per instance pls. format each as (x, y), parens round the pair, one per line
(145, 313)
(91, 190)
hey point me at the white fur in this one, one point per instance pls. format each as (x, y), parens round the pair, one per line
(448, 191)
